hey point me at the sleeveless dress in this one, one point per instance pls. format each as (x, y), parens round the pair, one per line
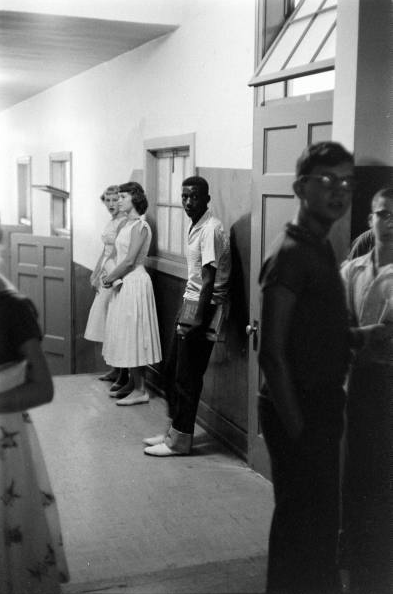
(32, 559)
(131, 333)
(95, 327)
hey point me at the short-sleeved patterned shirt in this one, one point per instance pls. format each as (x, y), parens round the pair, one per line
(208, 243)
(318, 349)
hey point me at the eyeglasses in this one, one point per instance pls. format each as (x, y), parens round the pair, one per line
(384, 215)
(329, 181)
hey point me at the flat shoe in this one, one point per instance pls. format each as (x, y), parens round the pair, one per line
(116, 386)
(130, 400)
(119, 394)
(162, 450)
(151, 441)
(108, 377)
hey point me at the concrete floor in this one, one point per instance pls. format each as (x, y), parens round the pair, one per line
(142, 525)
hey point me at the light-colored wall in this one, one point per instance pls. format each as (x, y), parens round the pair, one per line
(193, 80)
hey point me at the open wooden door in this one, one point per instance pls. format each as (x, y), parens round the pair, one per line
(282, 130)
(41, 269)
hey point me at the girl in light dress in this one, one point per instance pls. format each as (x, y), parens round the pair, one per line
(131, 333)
(32, 558)
(95, 328)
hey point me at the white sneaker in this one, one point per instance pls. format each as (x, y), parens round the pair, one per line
(133, 399)
(151, 441)
(161, 450)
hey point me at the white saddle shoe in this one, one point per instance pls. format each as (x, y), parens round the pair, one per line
(161, 450)
(151, 441)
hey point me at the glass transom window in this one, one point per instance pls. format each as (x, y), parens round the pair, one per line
(306, 44)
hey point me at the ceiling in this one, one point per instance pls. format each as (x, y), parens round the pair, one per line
(38, 51)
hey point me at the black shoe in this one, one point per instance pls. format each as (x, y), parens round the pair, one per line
(116, 386)
(111, 376)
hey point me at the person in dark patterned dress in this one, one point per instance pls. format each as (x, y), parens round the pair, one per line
(32, 559)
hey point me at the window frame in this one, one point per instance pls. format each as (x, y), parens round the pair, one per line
(62, 231)
(166, 262)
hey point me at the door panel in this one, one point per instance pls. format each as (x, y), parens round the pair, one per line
(41, 269)
(281, 131)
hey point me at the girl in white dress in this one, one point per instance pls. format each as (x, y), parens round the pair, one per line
(95, 328)
(131, 333)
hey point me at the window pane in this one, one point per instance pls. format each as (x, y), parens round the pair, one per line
(329, 49)
(177, 178)
(67, 176)
(310, 43)
(309, 7)
(176, 231)
(275, 91)
(57, 174)
(24, 203)
(162, 227)
(315, 83)
(187, 171)
(163, 178)
(285, 47)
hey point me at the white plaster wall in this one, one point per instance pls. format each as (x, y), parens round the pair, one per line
(162, 12)
(193, 80)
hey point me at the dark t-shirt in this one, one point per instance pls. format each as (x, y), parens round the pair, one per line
(18, 323)
(318, 348)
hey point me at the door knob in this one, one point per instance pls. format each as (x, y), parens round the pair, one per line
(250, 330)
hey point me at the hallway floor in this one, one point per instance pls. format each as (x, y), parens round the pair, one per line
(142, 525)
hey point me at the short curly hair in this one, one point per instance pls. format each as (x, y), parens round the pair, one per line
(199, 182)
(138, 196)
(109, 190)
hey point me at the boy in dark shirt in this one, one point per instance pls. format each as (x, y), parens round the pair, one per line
(304, 355)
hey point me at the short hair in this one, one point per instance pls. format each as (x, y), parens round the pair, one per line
(382, 193)
(199, 182)
(109, 190)
(322, 153)
(138, 196)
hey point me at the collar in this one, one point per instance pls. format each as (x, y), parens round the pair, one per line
(302, 234)
(205, 217)
(365, 261)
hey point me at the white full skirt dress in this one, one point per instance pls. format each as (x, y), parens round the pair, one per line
(132, 336)
(32, 559)
(95, 327)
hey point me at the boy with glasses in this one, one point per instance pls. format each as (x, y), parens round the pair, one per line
(367, 495)
(304, 355)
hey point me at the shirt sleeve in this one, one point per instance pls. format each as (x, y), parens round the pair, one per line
(211, 246)
(24, 321)
(287, 268)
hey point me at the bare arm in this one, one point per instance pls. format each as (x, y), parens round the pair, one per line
(94, 277)
(38, 387)
(138, 237)
(277, 311)
(202, 315)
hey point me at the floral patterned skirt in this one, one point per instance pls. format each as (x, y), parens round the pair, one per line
(32, 559)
